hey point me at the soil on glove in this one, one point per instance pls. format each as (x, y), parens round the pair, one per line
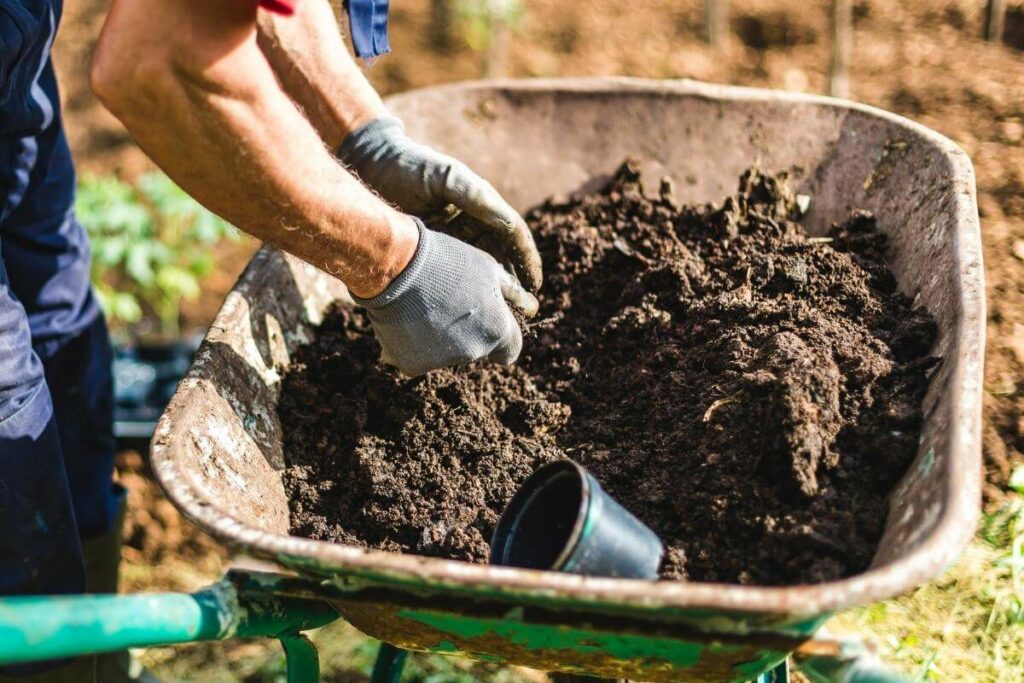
(749, 392)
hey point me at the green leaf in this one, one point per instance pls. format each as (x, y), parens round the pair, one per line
(133, 221)
(109, 206)
(166, 197)
(161, 253)
(125, 307)
(202, 263)
(206, 228)
(109, 250)
(138, 262)
(152, 244)
(1017, 480)
(119, 307)
(177, 281)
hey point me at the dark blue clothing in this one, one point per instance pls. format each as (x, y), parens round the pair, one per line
(44, 248)
(56, 436)
(368, 26)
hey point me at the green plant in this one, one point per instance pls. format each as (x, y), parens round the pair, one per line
(151, 243)
(1016, 482)
(480, 19)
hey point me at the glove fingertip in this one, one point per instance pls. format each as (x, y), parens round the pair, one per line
(524, 248)
(532, 277)
(517, 296)
(387, 358)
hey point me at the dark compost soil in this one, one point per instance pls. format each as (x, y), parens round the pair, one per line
(750, 392)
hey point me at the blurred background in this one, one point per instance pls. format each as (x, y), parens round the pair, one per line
(163, 265)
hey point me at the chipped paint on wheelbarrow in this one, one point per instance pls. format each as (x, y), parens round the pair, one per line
(218, 452)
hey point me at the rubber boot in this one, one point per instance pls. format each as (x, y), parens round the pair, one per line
(79, 670)
(102, 565)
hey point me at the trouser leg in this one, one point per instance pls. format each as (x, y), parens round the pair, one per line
(40, 550)
(78, 372)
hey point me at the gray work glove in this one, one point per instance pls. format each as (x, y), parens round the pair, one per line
(422, 182)
(448, 307)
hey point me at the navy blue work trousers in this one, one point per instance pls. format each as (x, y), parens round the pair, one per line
(56, 397)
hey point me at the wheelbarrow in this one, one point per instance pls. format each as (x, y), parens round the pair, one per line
(217, 451)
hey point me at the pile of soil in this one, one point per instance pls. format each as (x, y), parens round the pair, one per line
(749, 392)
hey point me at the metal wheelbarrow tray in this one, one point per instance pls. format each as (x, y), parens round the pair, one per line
(218, 454)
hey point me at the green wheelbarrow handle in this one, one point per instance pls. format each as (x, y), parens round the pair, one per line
(34, 628)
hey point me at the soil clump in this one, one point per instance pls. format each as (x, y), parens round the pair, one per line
(748, 391)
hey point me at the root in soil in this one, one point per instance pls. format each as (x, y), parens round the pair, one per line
(750, 392)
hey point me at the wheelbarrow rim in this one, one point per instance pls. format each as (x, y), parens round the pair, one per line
(953, 530)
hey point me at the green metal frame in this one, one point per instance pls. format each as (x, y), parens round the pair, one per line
(259, 605)
(302, 658)
(34, 628)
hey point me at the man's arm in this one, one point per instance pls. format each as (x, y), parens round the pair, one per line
(308, 54)
(187, 78)
(316, 70)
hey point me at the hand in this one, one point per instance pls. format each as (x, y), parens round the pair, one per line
(448, 307)
(423, 182)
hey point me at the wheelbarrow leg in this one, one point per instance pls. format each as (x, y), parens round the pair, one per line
(389, 664)
(842, 661)
(780, 674)
(301, 658)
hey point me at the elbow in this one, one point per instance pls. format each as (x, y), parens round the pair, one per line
(106, 78)
(124, 83)
(106, 82)
(138, 87)
(139, 68)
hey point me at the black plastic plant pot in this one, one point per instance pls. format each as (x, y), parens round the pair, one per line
(145, 377)
(561, 519)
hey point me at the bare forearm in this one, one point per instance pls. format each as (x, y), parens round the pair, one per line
(211, 114)
(309, 56)
(314, 66)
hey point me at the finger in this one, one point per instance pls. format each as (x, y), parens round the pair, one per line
(388, 358)
(511, 345)
(478, 198)
(490, 245)
(517, 296)
(402, 365)
(469, 230)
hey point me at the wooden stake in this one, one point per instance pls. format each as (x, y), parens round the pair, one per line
(716, 22)
(496, 62)
(441, 23)
(995, 20)
(842, 46)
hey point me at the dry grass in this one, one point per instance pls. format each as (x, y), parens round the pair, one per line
(967, 625)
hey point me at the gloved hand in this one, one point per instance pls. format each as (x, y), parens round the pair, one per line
(448, 307)
(421, 181)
